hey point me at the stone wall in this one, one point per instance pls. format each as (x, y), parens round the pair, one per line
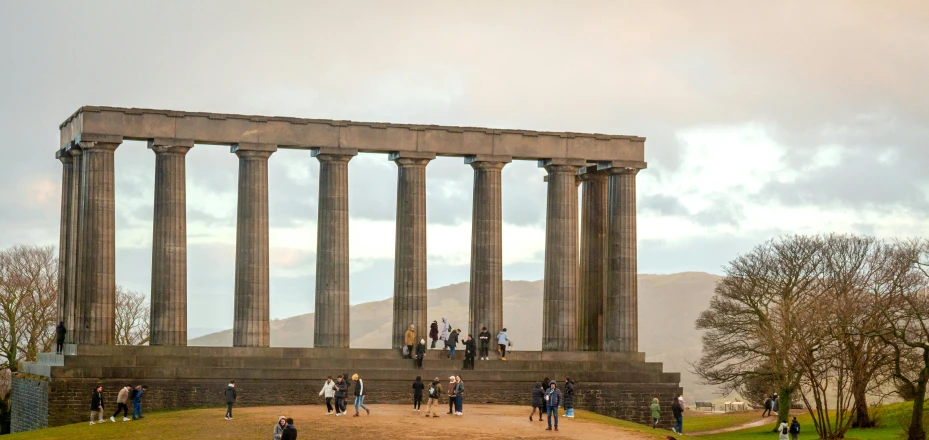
(29, 403)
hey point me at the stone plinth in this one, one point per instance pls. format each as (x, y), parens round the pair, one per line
(486, 287)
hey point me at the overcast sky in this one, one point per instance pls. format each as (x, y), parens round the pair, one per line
(762, 118)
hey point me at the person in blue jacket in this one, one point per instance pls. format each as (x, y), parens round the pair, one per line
(553, 401)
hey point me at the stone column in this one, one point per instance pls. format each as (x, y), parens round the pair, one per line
(65, 294)
(559, 298)
(592, 273)
(485, 303)
(98, 236)
(73, 316)
(410, 254)
(620, 310)
(251, 326)
(331, 326)
(169, 243)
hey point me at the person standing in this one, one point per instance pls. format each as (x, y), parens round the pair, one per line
(359, 395)
(340, 389)
(553, 400)
(484, 338)
(459, 394)
(677, 409)
(775, 403)
(502, 340)
(279, 428)
(121, 400)
(420, 353)
(137, 402)
(794, 429)
(656, 412)
(434, 333)
(538, 401)
(445, 329)
(409, 338)
(289, 433)
(568, 398)
(230, 395)
(451, 343)
(470, 351)
(451, 394)
(418, 387)
(328, 392)
(60, 332)
(435, 392)
(783, 431)
(96, 404)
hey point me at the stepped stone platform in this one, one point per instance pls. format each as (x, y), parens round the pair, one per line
(56, 389)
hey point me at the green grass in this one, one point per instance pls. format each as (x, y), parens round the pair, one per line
(699, 421)
(659, 433)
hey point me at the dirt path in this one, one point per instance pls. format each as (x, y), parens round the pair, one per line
(760, 422)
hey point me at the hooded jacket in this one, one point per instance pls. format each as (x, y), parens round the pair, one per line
(409, 338)
(554, 397)
(484, 337)
(278, 429)
(230, 393)
(290, 433)
(418, 387)
(340, 389)
(96, 400)
(328, 389)
(569, 395)
(537, 400)
(359, 388)
(123, 396)
(452, 339)
(434, 331)
(445, 327)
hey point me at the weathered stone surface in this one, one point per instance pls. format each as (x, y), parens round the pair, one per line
(592, 273)
(621, 323)
(331, 328)
(559, 297)
(65, 292)
(410, 251)
(251, 326)
(486, 287)
(169, 243)
(73, 316)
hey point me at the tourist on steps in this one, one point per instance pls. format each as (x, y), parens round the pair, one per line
(359, 395)
(656, 412)
(341, 388)
(459, 394)
(538, 401)
(121, 400)
(445, 329)
(409, 338)
(502, 341)
(470, 351)
(451, 394)
(279, 428)
(96, 404)
(451, 343)
(420, 353)
(418, 387)
(434, 332)
(435, 392)
(328, 392)
(137, 402)
(568, 397)
(60, 332)
(553, 401)
(484, 338)
(290, 433)
(230, 398)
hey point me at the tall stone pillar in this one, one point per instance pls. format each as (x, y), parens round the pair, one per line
(620, 310)
(98, 236)
(559, 297)
(65, 293)
(251, 326)
(169, 243)
(410, 255)
(592, 273)
(331, 324)
(73, 315)
(485, 303)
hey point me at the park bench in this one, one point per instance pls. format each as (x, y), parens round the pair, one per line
(706, 405)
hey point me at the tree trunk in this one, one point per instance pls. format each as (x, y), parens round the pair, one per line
(862, 417)
(916, 431)
(783, 406)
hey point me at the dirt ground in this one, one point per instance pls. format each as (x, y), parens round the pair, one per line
(401, 422)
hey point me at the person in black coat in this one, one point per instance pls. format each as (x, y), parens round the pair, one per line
(96, 404)
(452, 342)
(678, 411)
(538, 400)
(289, 433)
(420, 353)
(418, 387)
(568, 397)
(470, 351)
(230, 395)
(484, 338)
(434, 333)
(60, 332)
(341, 391)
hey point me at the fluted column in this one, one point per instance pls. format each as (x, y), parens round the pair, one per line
(169, 243)
(592, 272)
(65, 293)
(485, 302)
(331, 326)
(620, 310)
(559, 297)
(251, 326)
(73, 315)
(410, 251)
(98, 236)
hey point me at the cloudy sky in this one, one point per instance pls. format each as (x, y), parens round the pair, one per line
(762, 118)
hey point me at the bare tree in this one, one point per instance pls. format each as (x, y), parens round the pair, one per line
(132, 317)
(28, 296)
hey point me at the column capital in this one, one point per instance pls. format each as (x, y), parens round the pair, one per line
(98, 138)
(622, 166)
(250, 149)
(562, 161)
(590, 172)
(329, 154)
(63, 156)
(480, 158)
(170, 145)
(411, 157)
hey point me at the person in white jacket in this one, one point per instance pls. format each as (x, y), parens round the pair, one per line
(328, 391)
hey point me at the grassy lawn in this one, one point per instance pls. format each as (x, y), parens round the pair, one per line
(699, 421)
(658, 433)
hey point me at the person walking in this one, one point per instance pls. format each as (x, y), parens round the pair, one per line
(538, 401)
(137, 402)
(794, 429)
(121, 400)
(677, 409)
(340, 389)
(775, 404)
(279, 428)
(418, 387)
(328, 392)
(409, 338)
(767, 407)
(420, 353)
(60, 332)
(459, 394)
(445, 329)
(783, 431)
(289, 433)
(451, 394)
(230, 395)
(434, 333)
(484, 338)
(348, 384)
(359, 395)
(470, 351)
(553, 401)
(656, 412)
(96, 404)
(451, 343)
(502, 340)
(568, 397)
(435, 392)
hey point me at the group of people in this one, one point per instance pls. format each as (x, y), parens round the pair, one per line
(284, 430)
(451, 336)
(546, 398)
(455, 394)
(678, 406)
(126, 395)
(337, 391)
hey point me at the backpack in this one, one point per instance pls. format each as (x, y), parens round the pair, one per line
(784, 430)
(795, 428)
(432, 391)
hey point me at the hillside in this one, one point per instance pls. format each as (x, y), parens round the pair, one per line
(668, 307)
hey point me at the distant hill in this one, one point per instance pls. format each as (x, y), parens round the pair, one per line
(668, 307)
